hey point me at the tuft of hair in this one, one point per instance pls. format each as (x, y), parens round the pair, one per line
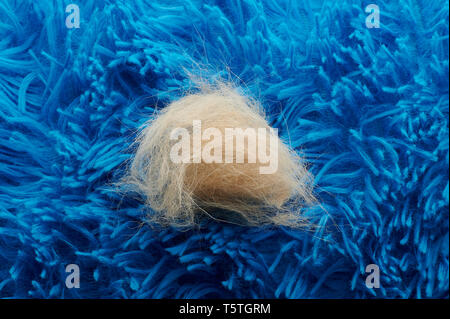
(179, 193)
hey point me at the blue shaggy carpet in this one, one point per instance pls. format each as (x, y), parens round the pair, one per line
(368, 108)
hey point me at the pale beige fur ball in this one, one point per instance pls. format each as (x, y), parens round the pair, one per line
(180, 192)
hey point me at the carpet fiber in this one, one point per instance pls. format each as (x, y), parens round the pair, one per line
(367, 107)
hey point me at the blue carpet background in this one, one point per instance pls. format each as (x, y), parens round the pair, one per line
(367, 107)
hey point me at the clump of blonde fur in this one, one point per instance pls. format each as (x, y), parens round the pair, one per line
(179, 192)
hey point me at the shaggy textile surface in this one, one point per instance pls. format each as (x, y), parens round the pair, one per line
(368, 108)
